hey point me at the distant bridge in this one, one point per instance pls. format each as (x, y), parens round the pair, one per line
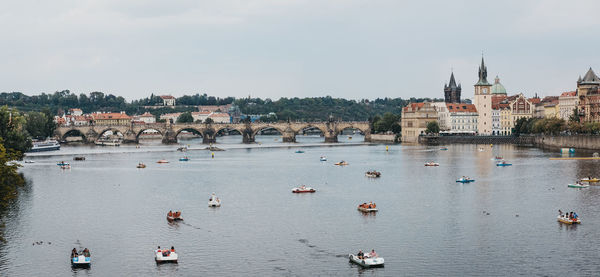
(169, 131)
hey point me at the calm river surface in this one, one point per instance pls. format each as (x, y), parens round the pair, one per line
(427, 224)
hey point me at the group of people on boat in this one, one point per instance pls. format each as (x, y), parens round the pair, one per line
(85, 252)
(166, 252)
(362, 255)
(370, 205)
(569, 216)
(174, 215)
(374, 173)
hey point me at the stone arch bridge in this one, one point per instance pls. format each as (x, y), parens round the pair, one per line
(169, 131)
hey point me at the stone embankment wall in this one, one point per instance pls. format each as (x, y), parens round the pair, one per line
(383, 138)
(440, 140)
(584, 142)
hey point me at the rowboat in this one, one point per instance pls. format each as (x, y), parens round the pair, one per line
(62, 163)
(303, 189)
(341, 163)
(366, 261)
(162, 162)
(184, 159)
(578, 186)
(465, 180)
(299, 151)
(503, 163)
(592, 180)
(366, 210)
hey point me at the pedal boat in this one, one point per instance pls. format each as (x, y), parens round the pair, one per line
(367, 210)
(165, 256)
(367, 262)
(81, 261)
(567, 220)
(373, 174)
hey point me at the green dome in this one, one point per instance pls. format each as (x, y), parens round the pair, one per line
(498, 88)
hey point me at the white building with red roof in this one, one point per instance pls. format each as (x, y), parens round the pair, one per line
(567, 103)
(168, 100)
(220, 117)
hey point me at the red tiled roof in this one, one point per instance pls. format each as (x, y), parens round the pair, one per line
(461, 108)
(146, 114)
(414, 106)
(167, 97)
(199, 113)
(534, 100)
(569, 93)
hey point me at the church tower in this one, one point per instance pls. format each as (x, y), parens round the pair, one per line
(452, 91)
(483, 102)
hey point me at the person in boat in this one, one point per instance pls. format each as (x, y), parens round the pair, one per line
(86, 252)
(372, 254)
(170, 214)
(360, 254)
(172, 249)
(560, 213)
(177, 214)
(74, 253)
(374, 206)
(158, 250)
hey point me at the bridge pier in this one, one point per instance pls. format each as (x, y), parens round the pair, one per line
(331, 138)
(209, 139)
(247, 137)
(368, 136)
(130, 137)
(169, 137)
(288, 135)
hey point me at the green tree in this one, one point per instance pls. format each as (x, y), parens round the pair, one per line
(574, 117)
(432, 127)
(13, 133)
(185, 118)
(36, 124)
(209, 120)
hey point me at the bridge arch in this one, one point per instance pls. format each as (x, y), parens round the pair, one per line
(137, 136)
(113, 130)
(267, 127)
(189, 129)
(70, 133)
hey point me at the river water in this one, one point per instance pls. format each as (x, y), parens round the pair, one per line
(503, 224)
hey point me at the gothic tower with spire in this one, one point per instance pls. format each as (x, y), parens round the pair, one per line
(452, 91)
(483, 102)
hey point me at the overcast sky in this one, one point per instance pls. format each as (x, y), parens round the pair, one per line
(275, 48)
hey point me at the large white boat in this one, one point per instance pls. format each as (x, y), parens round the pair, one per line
(46, 145)
(108, 142)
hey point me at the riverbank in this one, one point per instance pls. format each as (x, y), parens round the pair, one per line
(580, 141)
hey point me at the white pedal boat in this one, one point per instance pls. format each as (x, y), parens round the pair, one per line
(165, 256)
(81, 261)
(214, 203)
(366, 262)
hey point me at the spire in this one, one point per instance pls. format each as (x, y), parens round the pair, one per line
(496, 80)
(452, 81)
(591, 77)
(482, 73)
(579, 80)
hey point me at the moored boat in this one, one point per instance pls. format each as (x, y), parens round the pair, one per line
(165, 256)
(443, 148)
(79, 158)
(303, 189)
(46, 145)
(108, 142)
(432, 164)
(590, 180)
(366, 261)
(29, 162)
